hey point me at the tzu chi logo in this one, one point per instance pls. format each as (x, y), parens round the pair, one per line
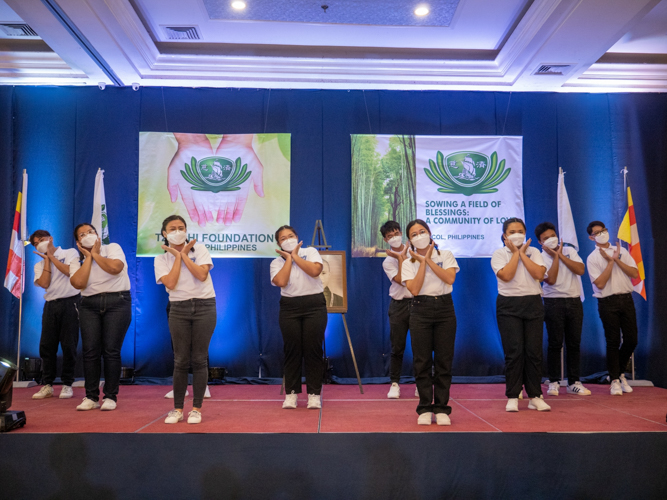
(467, 172)
(215, 174)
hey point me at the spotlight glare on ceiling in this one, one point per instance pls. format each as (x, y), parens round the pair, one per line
(238, 5)
(422, 10)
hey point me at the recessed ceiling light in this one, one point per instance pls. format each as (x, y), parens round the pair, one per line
(238, 5)
(422, 10)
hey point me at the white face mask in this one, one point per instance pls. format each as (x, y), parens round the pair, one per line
(289, 244)
(421, 241)
(517, 239)
(43, 246)
(88, 240)
(395, 242)
(551, 242)
(602, 238)
(177, 237)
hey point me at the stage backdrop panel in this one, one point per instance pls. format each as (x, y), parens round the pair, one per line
(232, 190)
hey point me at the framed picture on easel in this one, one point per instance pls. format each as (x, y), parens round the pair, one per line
(334, 279)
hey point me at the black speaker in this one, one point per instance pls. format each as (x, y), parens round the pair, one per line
(32, 369)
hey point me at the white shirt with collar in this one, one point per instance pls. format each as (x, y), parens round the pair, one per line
(188, 286)
(60, 286)
(300, 283)
(432, 285)
(397, 291)
(523, 283)
(100, 281)
(618, 282)
(568, 284)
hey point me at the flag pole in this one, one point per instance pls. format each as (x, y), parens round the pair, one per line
(24, 198)
(625, 194)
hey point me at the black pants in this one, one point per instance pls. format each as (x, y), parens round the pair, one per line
(302, 322)
(399, 324)
(520, 323)
(617, 313)
(564, 318)
(104, 319)
(60, 325)
(433, 332)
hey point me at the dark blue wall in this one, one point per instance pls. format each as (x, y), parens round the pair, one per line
(63, 135)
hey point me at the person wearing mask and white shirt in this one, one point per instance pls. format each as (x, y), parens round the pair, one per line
(399, 307)
(611, 269)
(105, 313)
(520, 269)
(429, 275)
(60, 318)
(563, 311)
(303, 315)
(184, 270)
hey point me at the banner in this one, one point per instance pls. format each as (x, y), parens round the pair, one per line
(233, 191)
(99, 220)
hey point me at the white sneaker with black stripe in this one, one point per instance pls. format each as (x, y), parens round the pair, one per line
(578, 388)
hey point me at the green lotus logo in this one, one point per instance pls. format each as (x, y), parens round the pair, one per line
(467, 172)
(215, 174)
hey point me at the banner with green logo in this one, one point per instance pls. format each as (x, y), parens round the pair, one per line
(232, 190)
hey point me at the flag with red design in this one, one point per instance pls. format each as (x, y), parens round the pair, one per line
(14, 273)
(627, 232)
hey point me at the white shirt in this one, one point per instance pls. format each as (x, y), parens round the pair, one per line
(432, 285)
(397, 291)
(568, 284)
(618, 282)
(299, 283)
(100, 281)
(522, 283)
(60, 286)
(187, 287)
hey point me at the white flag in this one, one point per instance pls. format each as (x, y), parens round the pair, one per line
(566, 229)
(99, 220)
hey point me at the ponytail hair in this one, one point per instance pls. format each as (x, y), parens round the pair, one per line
(421, 223)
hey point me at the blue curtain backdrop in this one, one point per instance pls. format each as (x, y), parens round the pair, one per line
(63, 135)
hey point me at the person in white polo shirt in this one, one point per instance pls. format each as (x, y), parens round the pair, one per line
(399, 307)
(520, 269)
(184, 270)
(105, 313)
(303, 315)
(60, 318)
(563, 312)
(611, 269)
(429, 275)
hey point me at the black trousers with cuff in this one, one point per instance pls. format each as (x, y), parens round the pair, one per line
(618, 316)
(399, 324)
(60, 325)
(564, 318)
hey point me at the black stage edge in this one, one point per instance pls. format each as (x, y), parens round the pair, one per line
(334, 466)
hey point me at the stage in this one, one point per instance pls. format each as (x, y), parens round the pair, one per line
(356, 446)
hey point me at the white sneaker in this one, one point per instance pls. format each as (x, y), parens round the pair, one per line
(512, 404)
(314, 402)
(174, 417)
(66, 392)
(624, 384)
(416, 392)
(108, 405)
(538, 404)
(170, 394)
(425, 418)
(290, 401)
(207, 394)
(578, 388)
(442, 419)
(616, 389)
(553, 388)
(394, 391)
(87, 404)
(44, 392)
(194, 417)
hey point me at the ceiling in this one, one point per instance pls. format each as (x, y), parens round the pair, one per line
(579, 45)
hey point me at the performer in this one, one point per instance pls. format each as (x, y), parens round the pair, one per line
(520, 314)
(563, 312)
(429, 276)
(104, 315)
(399, 307)
(611, 270)
(303, 315)
(184, 271)
(60, 318)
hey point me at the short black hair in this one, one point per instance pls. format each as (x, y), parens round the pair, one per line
(387, 227)
(591, 225)
(512, 220)
(282, 228)
(40, 233)
(541, 228)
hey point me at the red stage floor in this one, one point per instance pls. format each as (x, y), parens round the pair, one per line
(257, 409)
